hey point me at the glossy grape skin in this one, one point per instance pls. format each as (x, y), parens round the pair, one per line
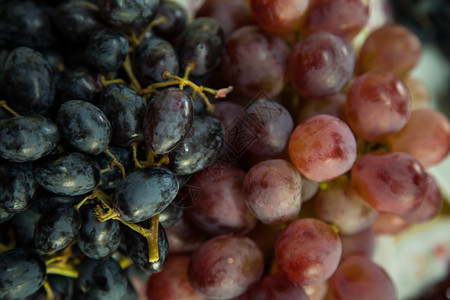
(270, 124)
(426, 136)
(106, 50)
(309, 189)
(279, 17)
(255, 61)
(22, 272)
(176, 19)
(277, 287)
(97, 239)
(137, 249)
(392, 182)
(17, 187)
(378, 104)
(84, 126)
(393, 48)
(217, 201)
(128, 14)
(101, 279)
(27, 138)
(174, 279)
(70, 174)
(185, 237)
(57, 229)
(202, 43)
(167, 120)
(225, 266)
(152, 58)
(144, 193)
(29, 81)
(308, 251)
(387, 223)
(231, 14)
(340, 205)
(319, 160)
(273, 191)
(78, 19)
(170, 215)
(78, 82)
(199, 148)
(125, 110)
(23, 225)
(344, 18)
(320, 65)
(357, 277)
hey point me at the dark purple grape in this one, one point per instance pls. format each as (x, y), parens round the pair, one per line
(202, 44)
(84, 126)
(69, 174)
(101, 279)
(277, 287)
(112, 178)
(137, 249)
(125, 109)
(23, 225)
(57, 229)
(29, 81)
(106, 50)
(152, 58)
(22, 273)
(176, 19)
(78, 19)
(171, 215)
(168, 119)
(46, 201)
(24, 23)
(62, 286)
(27, 138)
(17, 187)
(77, 83)
(128, 14)
(199, 148)
(97, 239)
(144, 193)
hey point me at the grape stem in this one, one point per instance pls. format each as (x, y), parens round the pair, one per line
(48, 290)
(113, 163)
(104, 82)
(5, 106)
(129, 70)
(150, 158)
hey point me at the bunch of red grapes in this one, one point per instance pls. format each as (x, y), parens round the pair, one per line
(121, 163)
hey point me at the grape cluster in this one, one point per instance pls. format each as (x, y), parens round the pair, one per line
(120, 164)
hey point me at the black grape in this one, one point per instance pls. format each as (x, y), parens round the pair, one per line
(112, 178)
(23, 225)
(22, 273)
(171, 215)
(176, 19)
(79, 83)
(27, 138)
(69, 174)
(128, 14)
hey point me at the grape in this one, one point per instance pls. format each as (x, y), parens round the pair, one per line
(171, 215)
(84, 126)
(22, 273)
(101, 279)
(201, 44)
(218, 202)
(225, 267)
(308, 251)
(128, 14)
(111, 179)
(184, 237)
(27, 138)
(231, 14)
(393, 48)
(378, 104)
(176, 19)
(167, 120)
(279, 17)
(277, 287)
(174, 279)
(23, 225)
(69, 174)
(57, 229)
(29, 81)
(341, 205)
(106, 50)
(77, 83)
(387, 223)
(152, 58)
(357, 277)
(17, 188)
(419, 92)
(46, 201)
(255, 61)
(144, 193)
(322, 148)
(5, 216)
(333, 106)
(344, 18)
(426, 136)
(273, 191)
(389, 182)
(320, 65)
(62, 285)
(309, 189)
(362, 243)
(96, 239)
(125, 110)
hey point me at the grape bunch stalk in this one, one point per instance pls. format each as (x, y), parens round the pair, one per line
(229, 149)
